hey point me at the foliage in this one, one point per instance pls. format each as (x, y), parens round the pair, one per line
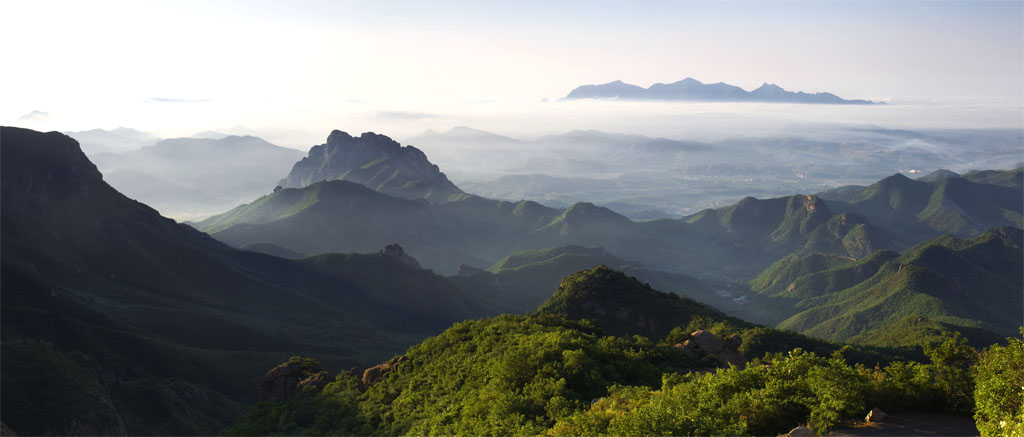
(770, 398)
(543, 374)
(332, 411)
(999, 390)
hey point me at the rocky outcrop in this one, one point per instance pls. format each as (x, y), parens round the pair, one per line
(396, 251)
(727, 350)
(282, 382)
(375, 161)
(316, 382)
(379, 372)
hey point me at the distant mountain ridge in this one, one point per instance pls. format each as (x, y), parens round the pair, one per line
(375, 161)
(224, 172)
(690, 89)
(899, 299)
(117, 140)
(942, 202)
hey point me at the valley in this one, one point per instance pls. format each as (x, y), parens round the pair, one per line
(98, 288)
(507, 218)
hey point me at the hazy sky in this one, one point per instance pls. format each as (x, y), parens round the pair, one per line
(294, 70)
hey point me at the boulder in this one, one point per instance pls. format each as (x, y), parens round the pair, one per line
(687, 346)
(875, 415)
(733, 342)
(800, 431)
(707, 341)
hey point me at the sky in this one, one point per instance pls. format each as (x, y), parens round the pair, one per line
(292, 71)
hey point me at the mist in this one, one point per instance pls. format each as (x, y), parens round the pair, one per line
(645, 160)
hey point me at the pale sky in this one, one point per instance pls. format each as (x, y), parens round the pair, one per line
(297, 69)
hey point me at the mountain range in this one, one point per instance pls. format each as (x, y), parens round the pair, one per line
(142, 325)
(742, 239)
(341, 216)
(119, 320)
(937, 203)
(196, 177)
(646, 177)
(900, 299)
(119, 140)
(690, 89)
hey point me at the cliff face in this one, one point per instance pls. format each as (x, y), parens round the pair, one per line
(375, 161)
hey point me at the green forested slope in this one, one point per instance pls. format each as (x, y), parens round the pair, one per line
(972, 285)
(914, 210)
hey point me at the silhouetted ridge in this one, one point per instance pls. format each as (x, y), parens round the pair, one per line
(690, 89)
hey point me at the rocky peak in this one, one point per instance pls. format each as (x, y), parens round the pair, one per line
(338, 137)
(396, 251)
(373, 160)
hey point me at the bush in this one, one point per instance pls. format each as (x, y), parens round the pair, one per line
(999, 390)
(799, 388)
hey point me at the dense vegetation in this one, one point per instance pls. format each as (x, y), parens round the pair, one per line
(542, 374)
(999, 390)
(557, 372)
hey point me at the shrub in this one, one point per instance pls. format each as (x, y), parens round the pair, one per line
(999, 390)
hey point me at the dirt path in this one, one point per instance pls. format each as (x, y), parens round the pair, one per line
(914, 424)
